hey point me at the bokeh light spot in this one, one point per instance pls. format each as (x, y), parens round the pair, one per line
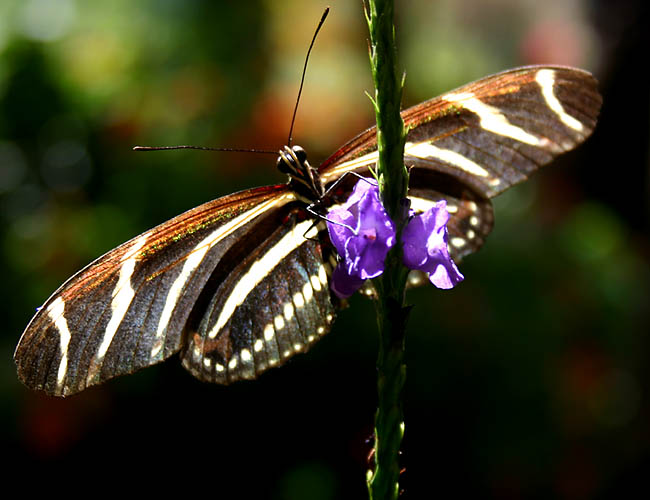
(12, 166)
(66, 165)
(313, 481)
(592, 232)
(47, 20)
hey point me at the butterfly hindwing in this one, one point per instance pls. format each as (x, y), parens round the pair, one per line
(264, 305)
(471, 216)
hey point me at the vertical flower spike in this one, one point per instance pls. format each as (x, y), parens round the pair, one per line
(362, 234)
(424, 241)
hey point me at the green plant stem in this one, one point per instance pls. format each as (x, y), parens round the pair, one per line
(383, 482)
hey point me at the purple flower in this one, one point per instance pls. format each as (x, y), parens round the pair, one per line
(362, 234)
(424, 241)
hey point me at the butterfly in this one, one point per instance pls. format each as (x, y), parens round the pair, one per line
(240, 284)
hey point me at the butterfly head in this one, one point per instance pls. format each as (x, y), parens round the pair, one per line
(292, 160)
(303, 177)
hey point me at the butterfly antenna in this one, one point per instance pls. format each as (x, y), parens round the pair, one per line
(304, 71)
(203, 148)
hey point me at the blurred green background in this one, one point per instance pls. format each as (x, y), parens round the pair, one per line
(530, 380)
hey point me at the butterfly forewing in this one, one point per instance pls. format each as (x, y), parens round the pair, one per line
(481, 139)
(494, 133)
(128, 309)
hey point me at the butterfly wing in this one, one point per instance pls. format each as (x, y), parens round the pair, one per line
(240, 284)
(471, 144)
(262, 305)
(135, 306)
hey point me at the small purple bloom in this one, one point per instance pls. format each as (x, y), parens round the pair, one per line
(424, 241)
(362, 234)
(343, 284)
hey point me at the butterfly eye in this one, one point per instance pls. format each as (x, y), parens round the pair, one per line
(286, 164)
(301, 154)
(282, 165)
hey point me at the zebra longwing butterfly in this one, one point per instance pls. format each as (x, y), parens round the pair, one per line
(240, 284)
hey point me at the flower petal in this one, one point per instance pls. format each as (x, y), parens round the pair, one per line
(424, 243)
(414, 243)
(343, 284)
(363, 250)
(340, 233)
(360, 189)
(446, 275)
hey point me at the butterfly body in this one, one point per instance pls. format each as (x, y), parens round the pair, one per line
(303, 178)
(240, 284)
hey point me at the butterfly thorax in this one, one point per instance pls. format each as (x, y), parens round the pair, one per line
(303, 178)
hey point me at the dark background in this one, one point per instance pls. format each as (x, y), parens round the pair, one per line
(530, 380)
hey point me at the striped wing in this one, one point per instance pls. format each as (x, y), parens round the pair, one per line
(145, 300)
(471, 144)
(263, 304)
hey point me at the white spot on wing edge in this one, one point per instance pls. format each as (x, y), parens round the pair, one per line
(457, 242)
(315, 282)
(288, 311)
(546, 79)
(258, 345)
(55, 311)
(298, 300)
(322, 274)
(246, 355)
(307, 291)
(492, 119)
(269, 332)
